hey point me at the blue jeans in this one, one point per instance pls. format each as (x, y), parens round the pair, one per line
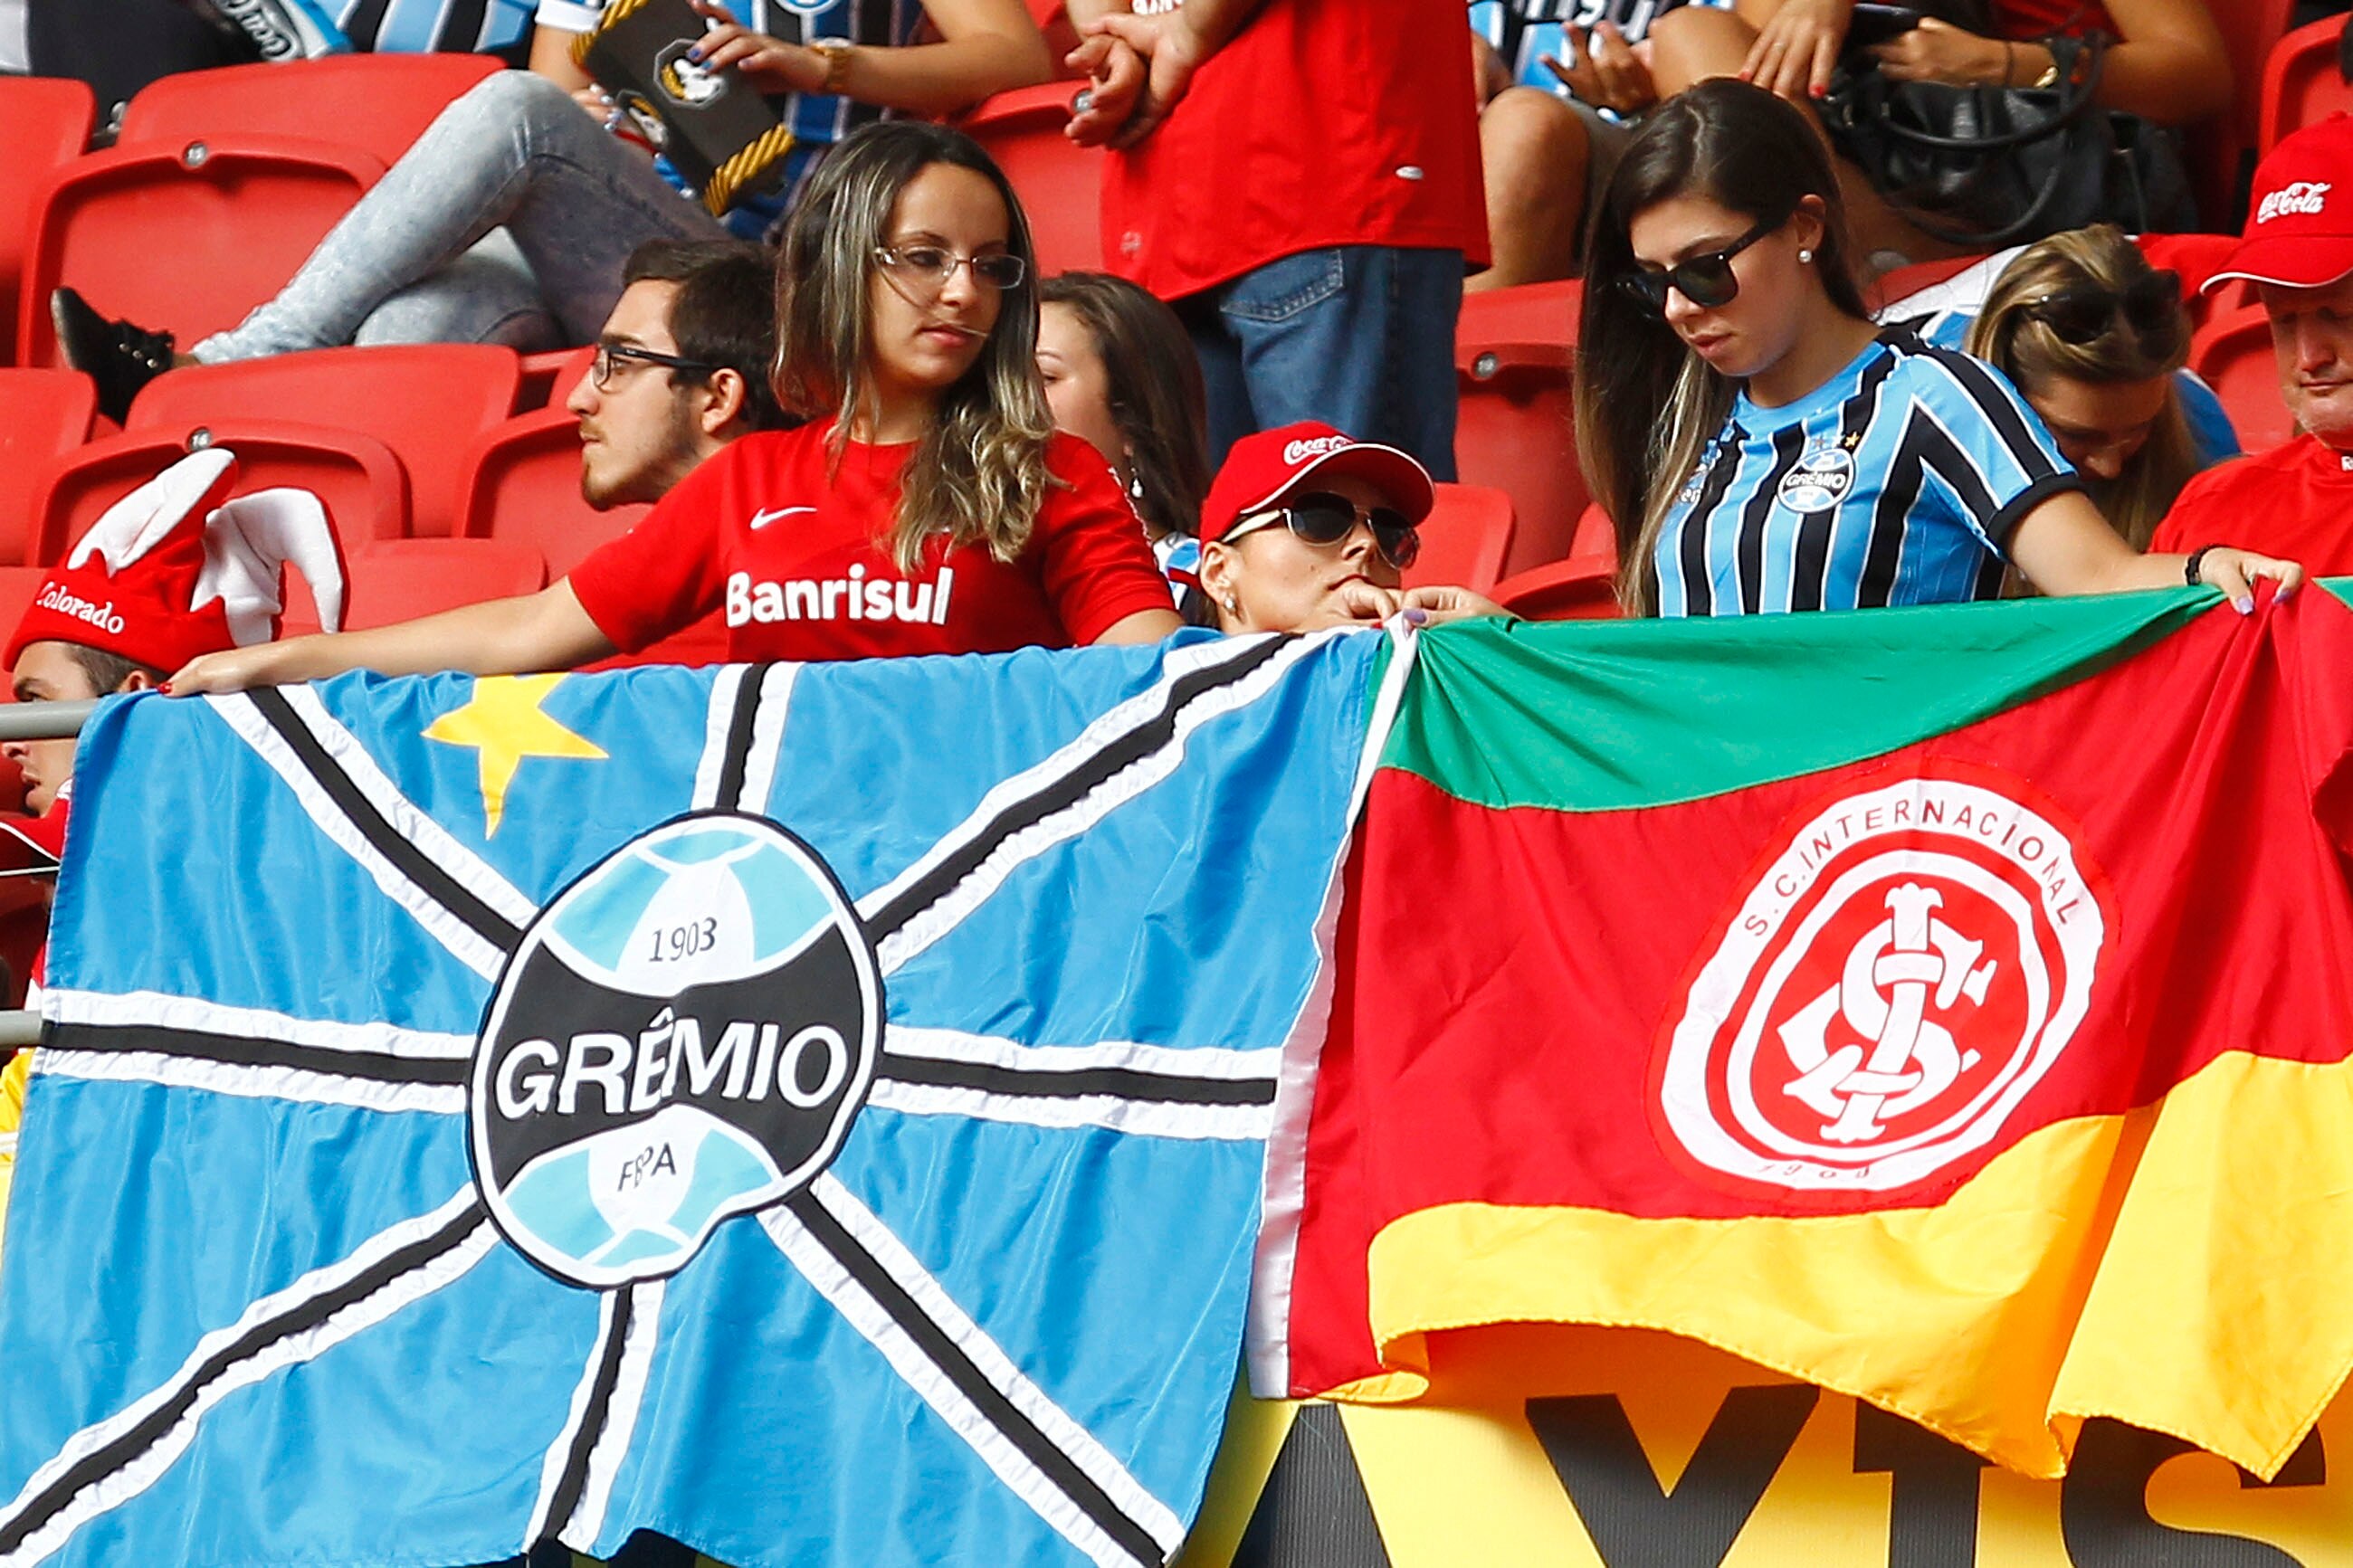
(417, 260)
(1358, 336)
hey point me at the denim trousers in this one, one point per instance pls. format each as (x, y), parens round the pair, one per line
(1358, 336)
(508, 221)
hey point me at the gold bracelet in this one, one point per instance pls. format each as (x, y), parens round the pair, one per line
(837, 53)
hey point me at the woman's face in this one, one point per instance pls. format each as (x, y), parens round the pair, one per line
(1077, 387)
(2101, 426)
(1750, 332)
(928, 331)
(1277, 582)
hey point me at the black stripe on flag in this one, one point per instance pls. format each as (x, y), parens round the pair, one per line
(412, 862)
(249, 1051)
(1113, 758)
(573, 1484)
(298, 1318)
(737, 759)
(1072, 1083)
(1063, 1471)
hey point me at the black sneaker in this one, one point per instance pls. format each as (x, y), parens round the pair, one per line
(120, 357)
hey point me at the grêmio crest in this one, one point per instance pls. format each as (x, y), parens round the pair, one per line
(1911, 959)
(683, 1035)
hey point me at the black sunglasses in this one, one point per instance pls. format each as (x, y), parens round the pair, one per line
(1706, 280)
(2150, 305)
(1322, 518)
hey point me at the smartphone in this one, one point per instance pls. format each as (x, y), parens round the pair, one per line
(1881, 24)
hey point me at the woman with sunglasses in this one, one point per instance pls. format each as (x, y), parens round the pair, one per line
(928, 506)
(1762, 445)
(1307, 528)
(2097, 340)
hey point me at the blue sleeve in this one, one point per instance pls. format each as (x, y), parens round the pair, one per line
(1992, 451)
(2211, 431)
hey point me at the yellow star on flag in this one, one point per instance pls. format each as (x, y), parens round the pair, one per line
(502, 721)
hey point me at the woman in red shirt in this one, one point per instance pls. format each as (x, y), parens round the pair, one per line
(928, 506)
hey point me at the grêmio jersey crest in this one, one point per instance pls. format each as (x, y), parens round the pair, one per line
(816, 1112)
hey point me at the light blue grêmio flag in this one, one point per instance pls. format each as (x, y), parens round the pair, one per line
(819, 1114)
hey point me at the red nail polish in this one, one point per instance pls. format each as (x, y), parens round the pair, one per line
(1820, 91)
(165, 687)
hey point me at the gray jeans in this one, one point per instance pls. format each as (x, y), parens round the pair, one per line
(508, 222)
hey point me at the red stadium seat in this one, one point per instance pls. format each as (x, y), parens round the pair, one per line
(1060, 184)
(548, 378)
(356, 476)
(400, 579)
(1514, 426)
(1596, 535)
(523, 488)
(377, 103)
(2303, 84)
(2233, 353)
(2251, 29)
(183, 238)
(522, 483)
(42, 414)
(45, 123)
(1464, 539)
(1582, 589)
(428, 402)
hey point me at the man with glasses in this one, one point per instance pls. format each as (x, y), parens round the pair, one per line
(2295, 499)
(681, 368)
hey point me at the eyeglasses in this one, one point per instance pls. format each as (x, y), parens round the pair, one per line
(928, 267)
(1322, 518)
(602, 368)
(1706, 280)
(2150, 304)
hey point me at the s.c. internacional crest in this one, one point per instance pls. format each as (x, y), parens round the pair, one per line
(818, 1114)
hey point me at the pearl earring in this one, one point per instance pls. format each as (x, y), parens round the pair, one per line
(1805, 256)
(1233, 605)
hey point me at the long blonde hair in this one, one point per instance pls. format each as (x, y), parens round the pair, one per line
(978, 475)
(2017, 342)
(1646, 405)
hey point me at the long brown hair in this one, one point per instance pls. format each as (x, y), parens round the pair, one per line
(978, 475)
(1647, 405)
(2024, 348)
(1156, 396)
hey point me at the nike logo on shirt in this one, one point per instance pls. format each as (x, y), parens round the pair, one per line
(762, 519)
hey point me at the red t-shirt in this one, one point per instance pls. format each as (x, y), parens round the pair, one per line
(802, 569)
(2295, 502)
(2041, 18)
(1320, 122)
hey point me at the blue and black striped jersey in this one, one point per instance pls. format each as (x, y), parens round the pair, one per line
(1895, 482)
(424, 26)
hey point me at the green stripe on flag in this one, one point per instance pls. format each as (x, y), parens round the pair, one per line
(1610, 715)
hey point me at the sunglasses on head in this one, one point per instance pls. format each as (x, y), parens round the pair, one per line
(1706, 280)
(2150, 305)
(1322, 518)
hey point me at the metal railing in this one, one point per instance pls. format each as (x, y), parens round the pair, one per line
(42, 720)
(35, 721)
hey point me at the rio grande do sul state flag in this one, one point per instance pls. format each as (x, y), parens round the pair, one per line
(816, 1114)
(1950, 1007)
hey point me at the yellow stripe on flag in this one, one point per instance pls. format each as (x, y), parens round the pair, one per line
(2079, 1274)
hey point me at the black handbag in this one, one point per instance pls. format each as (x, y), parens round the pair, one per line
(1988, 167)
